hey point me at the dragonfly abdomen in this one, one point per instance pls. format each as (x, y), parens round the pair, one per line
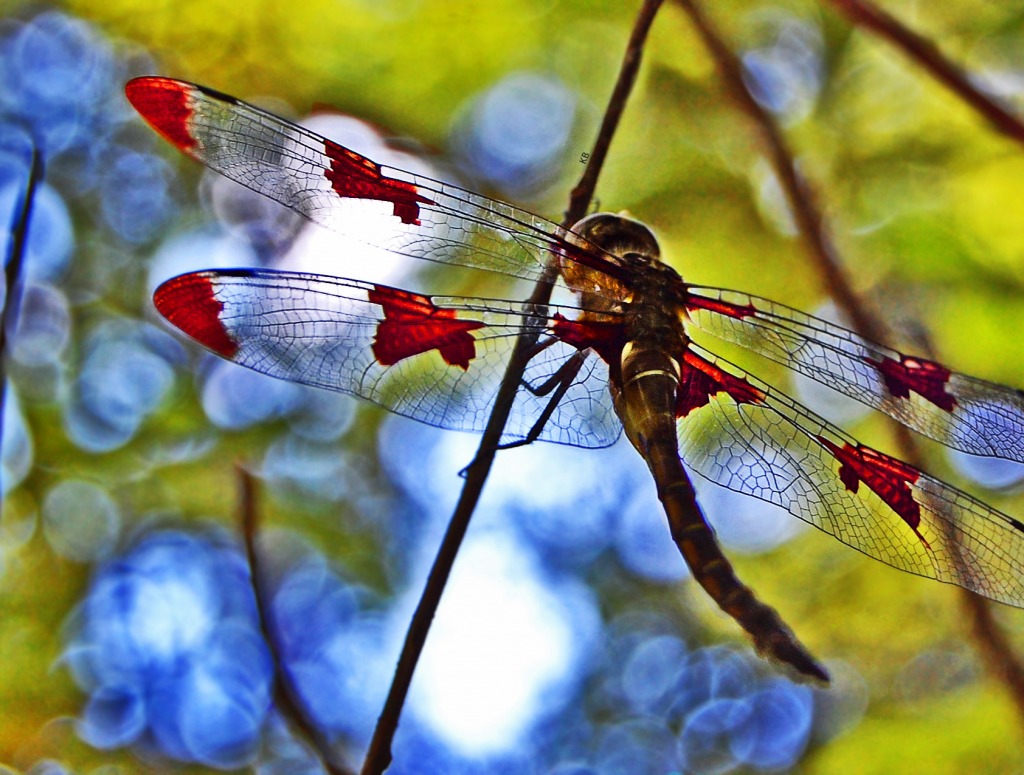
(647, 403)
(696, 542)
(646, 400)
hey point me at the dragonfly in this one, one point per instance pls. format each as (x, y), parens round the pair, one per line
(622, 356)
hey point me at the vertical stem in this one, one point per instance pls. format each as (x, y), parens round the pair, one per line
(286, 698)
(13, 270)
(379, 756)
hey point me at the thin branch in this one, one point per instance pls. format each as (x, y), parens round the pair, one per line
(927, 55)
(12, 270)
(379, 756)
(1001, 659)
(583, 193)
(285, 696)
(995, 647)
(801, 198)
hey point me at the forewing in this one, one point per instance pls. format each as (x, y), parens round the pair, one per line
(437, 360)
(408, 214)
(968, 414)
(758, 442)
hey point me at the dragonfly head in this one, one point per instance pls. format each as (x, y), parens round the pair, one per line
(619, 235)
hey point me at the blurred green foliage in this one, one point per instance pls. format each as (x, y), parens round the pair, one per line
(925, 203)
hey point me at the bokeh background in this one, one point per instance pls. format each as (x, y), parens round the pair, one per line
(571, 640)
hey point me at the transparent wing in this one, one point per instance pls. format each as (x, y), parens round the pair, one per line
(408, 214)
(750, 439)
(437, 360)
(974, 416)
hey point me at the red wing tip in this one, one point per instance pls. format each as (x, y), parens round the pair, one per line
(148, 81)
(144, 91)
(149, 84)
(188, 303)
(166, 105)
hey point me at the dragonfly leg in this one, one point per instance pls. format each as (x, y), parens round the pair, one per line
(557, 385)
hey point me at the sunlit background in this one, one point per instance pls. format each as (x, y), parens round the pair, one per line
(570, 641)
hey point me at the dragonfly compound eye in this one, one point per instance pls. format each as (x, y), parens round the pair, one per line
(618, 235)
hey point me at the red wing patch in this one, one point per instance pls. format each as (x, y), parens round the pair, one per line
(189, 304)
(701, 379)
(413, 324)
(926, 378)
(605, 337)
(165, 106)
(355, 176)
(887, 477)
(721, 307)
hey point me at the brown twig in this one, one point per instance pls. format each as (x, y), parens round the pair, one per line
(12, 270)
(801, 198)
(995, 647)
(285, 696)
(583, 193)
(378, 756)
(928, 56)
(824, 257)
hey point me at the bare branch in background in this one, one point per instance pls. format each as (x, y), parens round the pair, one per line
(924, 53)
(286, 699)
(13, 270)
(802, 198)
(825, 259)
